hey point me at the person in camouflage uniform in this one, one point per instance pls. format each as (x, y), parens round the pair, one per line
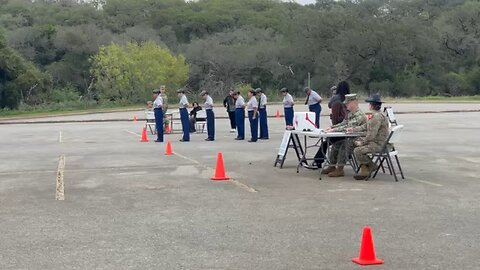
(377, 134)
(356, 121)
(163, 94)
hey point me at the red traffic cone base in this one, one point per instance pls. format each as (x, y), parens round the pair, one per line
(367, 250)
(278, 114)
(144, 135)
(168, 129)
(220, 169)
(169, 151)
(134, 118)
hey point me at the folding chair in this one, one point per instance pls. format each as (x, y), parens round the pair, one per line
(391, 116)
(150, 121)
(388, 153)
(201, 121)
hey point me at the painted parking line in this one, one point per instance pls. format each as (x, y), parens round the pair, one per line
(60, 184)
(60, 137)
(425, 182)
(233, 181)
(133, 133)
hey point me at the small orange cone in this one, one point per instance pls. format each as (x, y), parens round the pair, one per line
(278, 114)
(168, 129)
(220, 169)
(134, 118)
(169, 151)
(144, 135)
(367, 250)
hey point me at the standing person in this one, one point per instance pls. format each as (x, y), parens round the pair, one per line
(339, 110)
(377, 133)
(252, 107)
(240, 115)
(193, 116)
(163, 94)
(287, 106)
(339, 113)
(158, 111)
(313, 102)
(210, 115)
(262, 110)
(183, 105)
(229, 103)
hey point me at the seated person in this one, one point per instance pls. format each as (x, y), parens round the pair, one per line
(193, 116)
(149, 105)
(377, 135)
(356, 121)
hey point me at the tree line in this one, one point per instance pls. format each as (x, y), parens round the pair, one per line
(54, 51)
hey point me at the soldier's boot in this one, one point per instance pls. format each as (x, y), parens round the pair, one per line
(372, 167)
(328, 170)
(338, 172)
(363, 174)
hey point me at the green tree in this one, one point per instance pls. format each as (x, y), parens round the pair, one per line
(20, 81)
(129, 73)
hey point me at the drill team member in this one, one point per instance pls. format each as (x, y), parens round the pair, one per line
(158, 111)
(208, 106)
(287, 106)
(313, 102)
(377, 133)
(252, 107)
(183, 105)
(240, 115)
(262, 111)
(163, 94)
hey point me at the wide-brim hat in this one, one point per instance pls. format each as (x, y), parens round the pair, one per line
(375, 98)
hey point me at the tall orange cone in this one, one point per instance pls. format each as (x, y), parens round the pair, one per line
(367, 250)
(169, 151)
(144, 135)
(220, 169)
(278, 114)
(134, 118)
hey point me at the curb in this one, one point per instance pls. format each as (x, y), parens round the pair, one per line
(221, 117)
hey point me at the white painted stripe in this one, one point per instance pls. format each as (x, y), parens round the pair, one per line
(131, 173)
(191, 160)
(60, 136)
(344, 189)
(60, 186)
(425, 182)
(243, 186)
(131, 132)
(233, 181)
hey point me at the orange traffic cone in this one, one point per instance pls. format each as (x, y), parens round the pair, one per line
(169, 151)
(168, 129)
(134, 118)
(220, 169)
(144, 135)
(367, 250)
(278, 114)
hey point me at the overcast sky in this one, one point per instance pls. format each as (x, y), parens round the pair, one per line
(305, 1)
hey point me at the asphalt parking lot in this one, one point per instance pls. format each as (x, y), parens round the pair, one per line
(128, 206)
